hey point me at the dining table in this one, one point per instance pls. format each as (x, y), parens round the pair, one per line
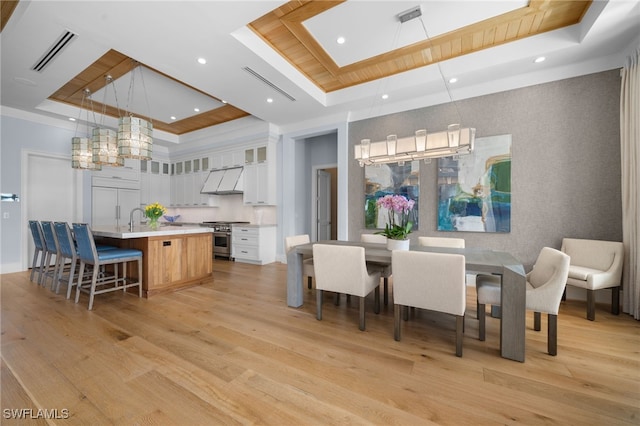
(477, 260)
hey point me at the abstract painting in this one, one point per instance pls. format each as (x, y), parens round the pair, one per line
(474, 190)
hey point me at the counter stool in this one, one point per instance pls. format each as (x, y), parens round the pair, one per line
(38, 241)
(52, 251)
(89, 255)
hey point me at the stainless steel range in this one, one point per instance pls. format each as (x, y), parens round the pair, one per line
(221, 237)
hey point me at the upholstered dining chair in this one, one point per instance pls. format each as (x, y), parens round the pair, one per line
(433, 281)
(307, 262)
(39, 252)
(545, 285)
(595, 265)
(343, 269)
(441, 242)
(90, 256)
(385, 270)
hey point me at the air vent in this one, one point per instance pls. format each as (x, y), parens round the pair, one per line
(55, 49)
(268, 83)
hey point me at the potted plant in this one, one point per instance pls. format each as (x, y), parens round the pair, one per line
(398, 228)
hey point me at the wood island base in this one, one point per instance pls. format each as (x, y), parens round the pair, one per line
(170, 262)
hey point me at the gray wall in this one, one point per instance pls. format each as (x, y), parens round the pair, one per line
(565, 162)
(320, 151)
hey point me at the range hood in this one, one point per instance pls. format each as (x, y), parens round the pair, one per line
(223, 182)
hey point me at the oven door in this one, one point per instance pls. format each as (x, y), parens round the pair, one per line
(222, 244)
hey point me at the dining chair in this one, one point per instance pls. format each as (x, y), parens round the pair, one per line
(52, 253)
(39, 251)
(433, 281)
(307, 262)
(385, 270)
(67, 252)
(545, 285)
(441, 242)
(90, 256)
(343, 269)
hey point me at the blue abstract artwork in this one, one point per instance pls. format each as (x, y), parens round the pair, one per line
(474, 190)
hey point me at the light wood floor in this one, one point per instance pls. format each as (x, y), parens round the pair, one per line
(231, 352)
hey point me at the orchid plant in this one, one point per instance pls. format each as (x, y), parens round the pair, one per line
(400, 210)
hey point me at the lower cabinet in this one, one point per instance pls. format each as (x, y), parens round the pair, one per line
(253, 244)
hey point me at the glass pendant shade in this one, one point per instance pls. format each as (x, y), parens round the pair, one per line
(421, 140)
(392, 141)
(81, 154)
(105, 148)
(453, 133)
(135, 138)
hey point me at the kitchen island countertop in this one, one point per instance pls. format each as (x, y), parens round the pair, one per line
(123, 232)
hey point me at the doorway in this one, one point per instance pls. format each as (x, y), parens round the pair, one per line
(325, 203)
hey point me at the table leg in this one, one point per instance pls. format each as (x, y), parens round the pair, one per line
(294, 279)
(513, 305)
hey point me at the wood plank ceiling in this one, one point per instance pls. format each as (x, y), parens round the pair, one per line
(284, 31)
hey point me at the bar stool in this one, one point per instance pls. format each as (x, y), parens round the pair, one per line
(89, 255)
(52, 251)
(38, 241)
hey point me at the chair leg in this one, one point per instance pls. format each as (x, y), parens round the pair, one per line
(94, 282)
(337, 299)
(591, 305)
(139, 277)
(615, 300)
(459, 333)
(405, 313)
(80, 280)
(309, 281)
(376, 298)
(536, 321)
(396, 322)
(552, 331)
(72, 270)
(386, 291)
(319, 304)
(482, 318)
(362, 324)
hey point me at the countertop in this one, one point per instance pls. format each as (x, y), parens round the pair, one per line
(122, 232)
(251, 225)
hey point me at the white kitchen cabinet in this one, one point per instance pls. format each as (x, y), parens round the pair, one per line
(232, 158)
(154, 183)
(187, 182)
(253, 244)
(112, 206)
(260, 175)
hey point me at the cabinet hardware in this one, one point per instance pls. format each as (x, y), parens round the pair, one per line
(166, 243)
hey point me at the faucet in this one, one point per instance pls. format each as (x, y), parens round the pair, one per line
(131, 217)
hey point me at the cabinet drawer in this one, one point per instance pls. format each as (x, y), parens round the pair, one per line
(245, 252)
(239, 230)
(245, 239)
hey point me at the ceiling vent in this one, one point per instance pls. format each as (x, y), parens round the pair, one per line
(270, 84)
(55, 49)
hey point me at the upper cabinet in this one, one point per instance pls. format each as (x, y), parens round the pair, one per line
(154, 182)
(186, 183)
(260, 175)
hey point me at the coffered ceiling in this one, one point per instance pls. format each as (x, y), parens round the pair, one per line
(287, 52)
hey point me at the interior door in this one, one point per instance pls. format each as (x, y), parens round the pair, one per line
(323, 205)
(59, 201)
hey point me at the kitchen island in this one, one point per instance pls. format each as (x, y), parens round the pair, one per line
(173, 257)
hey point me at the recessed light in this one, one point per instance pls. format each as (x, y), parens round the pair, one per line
(196, 109)
(270, 100)
(223, 101)
(202, 61)
(539, 59)
(453, 80)
(385, 96)
(340, 40)
(173, 117)
(72, 119)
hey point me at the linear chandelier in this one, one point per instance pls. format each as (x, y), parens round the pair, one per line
(423, 146)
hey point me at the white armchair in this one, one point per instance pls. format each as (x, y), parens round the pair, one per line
(595, 265)
(545, 285)
(433, 281)
(307, 263)
(343, 269)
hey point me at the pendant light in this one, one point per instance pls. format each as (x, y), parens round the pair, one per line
(104, 141)
(135, 134)
(81, 147)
